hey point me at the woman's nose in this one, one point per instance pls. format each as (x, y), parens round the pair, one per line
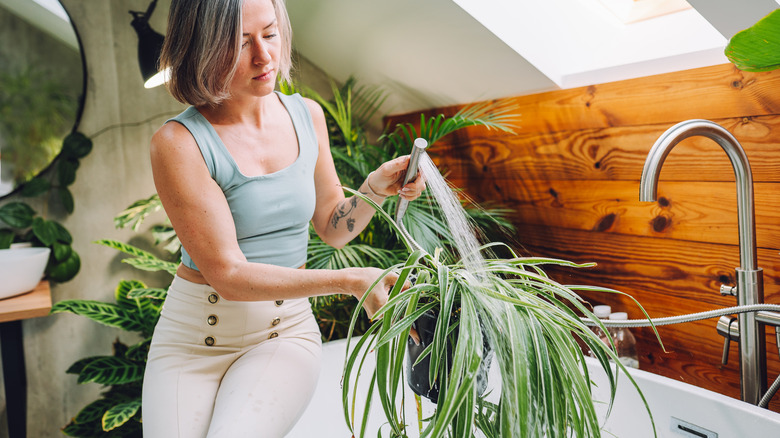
(262, 55)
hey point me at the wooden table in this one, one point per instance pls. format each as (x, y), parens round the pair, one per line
(12, 311)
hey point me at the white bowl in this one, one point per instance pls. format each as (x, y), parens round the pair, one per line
(21, 269)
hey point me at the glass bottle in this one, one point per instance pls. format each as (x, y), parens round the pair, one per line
(601, 312)
(625, 342)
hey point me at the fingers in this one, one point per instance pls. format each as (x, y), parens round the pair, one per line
(415, 336)
(414, 189)
(390, 175)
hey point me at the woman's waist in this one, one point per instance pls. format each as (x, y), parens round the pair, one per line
(192, 303)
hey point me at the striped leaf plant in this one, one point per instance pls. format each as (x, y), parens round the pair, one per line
(532, 324)
(136, 309)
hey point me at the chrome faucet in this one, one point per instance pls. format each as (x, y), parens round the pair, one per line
(750, 284)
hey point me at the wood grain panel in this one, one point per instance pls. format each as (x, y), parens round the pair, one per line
(607, 154)
(705, 212)
(716, 92)
(571, 174)
(671, 269)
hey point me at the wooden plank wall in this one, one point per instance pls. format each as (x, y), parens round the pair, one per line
(571, 173)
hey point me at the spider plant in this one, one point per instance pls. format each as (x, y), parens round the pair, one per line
(531, 322)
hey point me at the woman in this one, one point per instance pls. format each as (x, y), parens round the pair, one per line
(241, 174)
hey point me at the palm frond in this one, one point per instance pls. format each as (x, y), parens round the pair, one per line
(136, 213)
(434, 128)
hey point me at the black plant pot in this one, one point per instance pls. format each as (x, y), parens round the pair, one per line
(417, 376)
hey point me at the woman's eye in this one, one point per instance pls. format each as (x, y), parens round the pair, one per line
(244, 44)
(270, 36)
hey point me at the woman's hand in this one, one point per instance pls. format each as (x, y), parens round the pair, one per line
(378, 295)
(388, 180)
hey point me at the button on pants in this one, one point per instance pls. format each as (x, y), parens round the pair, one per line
(220, 368)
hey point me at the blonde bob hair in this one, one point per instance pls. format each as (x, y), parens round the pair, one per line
(202, 46)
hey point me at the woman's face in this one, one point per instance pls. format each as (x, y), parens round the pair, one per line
(258, 62)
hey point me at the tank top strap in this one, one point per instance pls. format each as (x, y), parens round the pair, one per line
(304, 125)
(220, 165)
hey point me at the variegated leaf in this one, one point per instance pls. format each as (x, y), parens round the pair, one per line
(104, 313)
(119, 414)
(111, 370)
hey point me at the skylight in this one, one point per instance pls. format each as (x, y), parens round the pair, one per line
(584, 42)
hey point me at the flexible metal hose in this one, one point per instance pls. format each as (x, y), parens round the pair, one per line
(769, 393)
(696, 317)
(669, 320)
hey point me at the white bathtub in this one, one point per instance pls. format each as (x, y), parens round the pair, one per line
(675, 407)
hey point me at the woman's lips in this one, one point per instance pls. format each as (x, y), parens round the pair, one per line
(265, 76)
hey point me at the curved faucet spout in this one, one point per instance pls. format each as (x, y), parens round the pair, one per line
(750, 285)
(648, 185)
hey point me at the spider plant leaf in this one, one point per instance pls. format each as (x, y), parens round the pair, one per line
(349, 363)
(404, 324)
(426, 351)
(367, 407)
(410, 244)
(447, 292)
(465, 361)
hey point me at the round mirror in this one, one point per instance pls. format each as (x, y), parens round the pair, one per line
(42, 86)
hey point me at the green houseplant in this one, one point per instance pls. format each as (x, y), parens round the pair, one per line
(24, 224)
(532, 323)
(136, 309)
(355, 154)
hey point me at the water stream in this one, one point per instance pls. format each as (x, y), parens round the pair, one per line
(464, 233)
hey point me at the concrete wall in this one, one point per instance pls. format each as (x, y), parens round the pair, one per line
(120, 116)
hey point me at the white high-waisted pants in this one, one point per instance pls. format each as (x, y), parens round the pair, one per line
(220, 368)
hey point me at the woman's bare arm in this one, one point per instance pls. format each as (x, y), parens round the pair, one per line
(201, 217)
(339, 219)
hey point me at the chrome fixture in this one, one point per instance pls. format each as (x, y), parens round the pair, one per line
(418, 148)
(750, 286)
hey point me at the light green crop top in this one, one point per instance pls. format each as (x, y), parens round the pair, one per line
(271, 212)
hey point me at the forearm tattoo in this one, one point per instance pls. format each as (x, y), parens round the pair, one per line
(344, 211)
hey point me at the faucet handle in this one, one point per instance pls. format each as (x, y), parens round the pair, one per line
(726, 344)
(726, 290)
(728, 327)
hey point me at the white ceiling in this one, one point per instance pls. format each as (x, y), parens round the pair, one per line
(430, 53)
(426, 53)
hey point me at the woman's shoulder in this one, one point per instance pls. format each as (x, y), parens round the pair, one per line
(171, 138)
(171, 132)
